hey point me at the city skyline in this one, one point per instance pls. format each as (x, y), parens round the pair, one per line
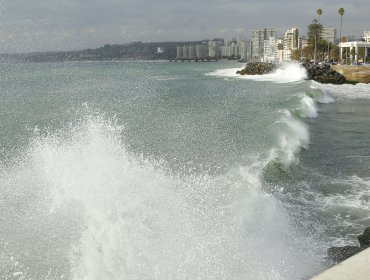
(68, 24)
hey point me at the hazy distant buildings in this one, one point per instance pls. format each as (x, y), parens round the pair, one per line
(191, 52)
(214, 50)
(201, 51)
(329, 34)
(244, 50)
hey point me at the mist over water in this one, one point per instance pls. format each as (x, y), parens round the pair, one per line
(172, 175)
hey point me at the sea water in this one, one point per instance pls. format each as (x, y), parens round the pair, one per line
(158, 170)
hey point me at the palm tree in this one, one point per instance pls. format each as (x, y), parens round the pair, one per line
(319, 12)
(341, 12)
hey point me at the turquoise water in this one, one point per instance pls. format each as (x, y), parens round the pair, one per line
(157, 170)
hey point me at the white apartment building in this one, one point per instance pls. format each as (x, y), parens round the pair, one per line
(290, 43)
(226, 51)
(234, 49)
(279, 50)
(179, 52)
(244, 50)
(231, 50)
(214, 50)
(201, 51)
(192, 52)
(227, 41)
(269, 50)
(258, 40)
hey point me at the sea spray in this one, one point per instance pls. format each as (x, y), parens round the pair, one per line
(139, 221)
(284, 73)
(293, 135)
(180, 192)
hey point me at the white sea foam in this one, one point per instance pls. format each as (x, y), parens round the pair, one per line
(285, 73)
(320, 95)
(357, 197)
(293, 135)
(308, 108)
(346, 91)
(139, 221)
(227, 73)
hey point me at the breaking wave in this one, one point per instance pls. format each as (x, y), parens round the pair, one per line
(285, 73)
(111, 214)
(346, 91)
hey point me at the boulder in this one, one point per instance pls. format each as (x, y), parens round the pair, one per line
(364, 238)
(256, 68)
(324, 74)
(339, 254)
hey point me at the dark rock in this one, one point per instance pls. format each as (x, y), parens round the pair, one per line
(256, 68)
(324, 74)
(339, 254)
(364, 238)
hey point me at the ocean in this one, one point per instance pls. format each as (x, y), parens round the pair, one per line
(170, 170)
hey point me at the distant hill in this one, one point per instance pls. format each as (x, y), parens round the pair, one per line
(135, 50)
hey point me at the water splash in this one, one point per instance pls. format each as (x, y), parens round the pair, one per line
(285, 73)
(121, 216)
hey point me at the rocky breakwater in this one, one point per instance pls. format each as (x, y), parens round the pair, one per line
(339, 254)
(256, 68)
(324, 74)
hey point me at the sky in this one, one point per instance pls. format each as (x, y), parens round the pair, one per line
(49, 25)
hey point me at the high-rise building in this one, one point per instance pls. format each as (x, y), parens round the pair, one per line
(201, 51)
(258, 38)
(234, 49)
(269, 50)
(214, 50)
(185, 52)
(291, 39)
(179, 52)
(227, 41)
(192, 52)
(290, 43)
(329, 34)
(279, 50)
(226, 51)
(244, 50)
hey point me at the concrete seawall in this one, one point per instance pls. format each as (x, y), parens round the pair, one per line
(353, 268)
(360, 74)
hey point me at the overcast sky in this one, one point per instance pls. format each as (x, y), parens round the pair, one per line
(39, 25)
